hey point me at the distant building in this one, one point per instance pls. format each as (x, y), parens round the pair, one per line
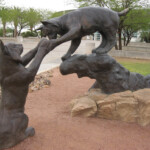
(97, 36)
(136, 37)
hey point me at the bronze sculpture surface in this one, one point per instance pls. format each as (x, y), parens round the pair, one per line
(84, 21)
(14, 80)
(15, 77)
(111, 77)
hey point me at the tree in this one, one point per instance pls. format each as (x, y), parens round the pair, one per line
(15, 15)
(45, 14)
(60, 13)
(116, 5)
(84, 3)
(137, 19)
(119, 5)
(145, 36)
(5, 17)
(33, 17)
(22, 21)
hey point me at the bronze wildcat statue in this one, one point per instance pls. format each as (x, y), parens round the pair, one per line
(84, 21)
(14, 80)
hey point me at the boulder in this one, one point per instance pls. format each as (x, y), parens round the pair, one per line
(128, 106)
(143, 98)
(84, 106)
(118, 106)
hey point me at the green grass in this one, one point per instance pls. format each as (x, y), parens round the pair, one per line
(138, 67)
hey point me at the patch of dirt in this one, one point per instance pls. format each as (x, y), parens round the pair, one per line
(49, 114)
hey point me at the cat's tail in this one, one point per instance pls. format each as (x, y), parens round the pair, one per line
(124, 12)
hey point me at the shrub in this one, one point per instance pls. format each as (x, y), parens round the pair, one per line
(29, 34)
(145, 36)
(1, 32)
(9, 32)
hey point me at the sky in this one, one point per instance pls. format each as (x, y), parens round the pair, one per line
(52, 5)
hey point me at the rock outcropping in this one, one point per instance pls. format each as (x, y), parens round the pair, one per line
(111, 77)
(120, 97)
(124, 106)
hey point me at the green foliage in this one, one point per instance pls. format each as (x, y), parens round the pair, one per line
(84, 3)
(145, 36)
(60, 13)
(116, 5)
(22, 21)
(130, 23)
(57, 14)
(5, 15)
(29, 34)
(33, 17)
(119, 5)
(9, 32)
(136, 19)
(15, 14)
(1, 32)
(45, 14)
(22, 18)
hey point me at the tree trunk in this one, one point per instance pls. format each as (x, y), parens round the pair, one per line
(124, 39)
(19, 32)
(116, 46)
(120, 42)
(4, 30)
(15, 31)
(31, 28)
(128, 41)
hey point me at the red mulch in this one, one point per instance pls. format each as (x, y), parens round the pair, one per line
(49, 114)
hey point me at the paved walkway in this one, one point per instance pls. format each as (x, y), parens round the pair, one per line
(53, 59)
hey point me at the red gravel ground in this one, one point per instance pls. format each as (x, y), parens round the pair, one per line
(49, 114)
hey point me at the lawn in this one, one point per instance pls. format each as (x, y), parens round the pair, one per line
(136, 65)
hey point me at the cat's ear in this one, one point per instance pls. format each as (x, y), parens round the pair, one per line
(45, 23)
(49, 24)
